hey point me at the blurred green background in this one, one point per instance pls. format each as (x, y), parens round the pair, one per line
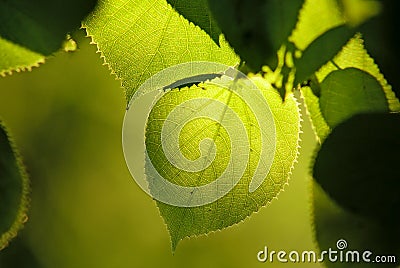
(87, 211)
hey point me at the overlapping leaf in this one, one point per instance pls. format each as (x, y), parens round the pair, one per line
(256, 29)
(323, 29)
(352, 55)
(348, 85)
(140, 38)
(350, 91)
(355, 192)
(198, 12)
(321, 50)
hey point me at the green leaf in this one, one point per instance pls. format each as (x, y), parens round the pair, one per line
(358, 166)
(137, 39)
(320, 126)
(352, 55)
(315, 18)
(281, 19)
(355, 191)
(256, 29)
(198, 12)
(321, 50)
(14, 57)
(239, 203)
(380, 35)
(350, 91)
(32, 30)
(324, 27)
(14, 190)
(333, 218)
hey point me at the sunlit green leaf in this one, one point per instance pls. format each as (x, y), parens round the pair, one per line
(239, 203)
(320, 126)
(14, 189)
(14, 57)
(140, 38)
(315, 18)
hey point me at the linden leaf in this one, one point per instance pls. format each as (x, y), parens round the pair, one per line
(137, 39)
(239, 203)
(14, 57)
(14, 190)
(354, 55)
(319, 125)
(350, 91)
(19, 254)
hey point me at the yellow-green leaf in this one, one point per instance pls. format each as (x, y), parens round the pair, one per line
(140, 38)
(239, 203)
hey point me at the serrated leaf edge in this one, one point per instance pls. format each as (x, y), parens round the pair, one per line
(22, 214)
(175, 242)
(22, 68)
(112, 71)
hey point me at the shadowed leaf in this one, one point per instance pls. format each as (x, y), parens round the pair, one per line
(321, 50)
(14, 189)
(197, 11)
(357, 166)
(256, 29)
(348, 92)
(32, 30)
